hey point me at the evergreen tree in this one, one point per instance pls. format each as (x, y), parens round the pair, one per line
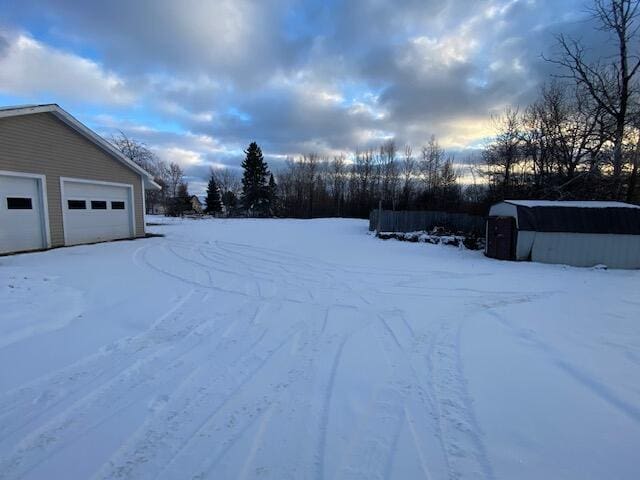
(214, 205)
(273, 194)
(229, 200)
(255, 191)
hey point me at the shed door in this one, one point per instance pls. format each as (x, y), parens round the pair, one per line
(21, 214)
(501, 238)
(96, 212)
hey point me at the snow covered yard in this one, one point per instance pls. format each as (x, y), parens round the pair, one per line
(309, 349)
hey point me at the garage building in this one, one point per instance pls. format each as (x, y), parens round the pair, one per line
(62, 184)
(581, 234)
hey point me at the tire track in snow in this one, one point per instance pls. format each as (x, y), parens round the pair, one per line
(206, 266)
(94, 410)
(262, 414)
(324, 416)
(19, 408)
(101, 404)
(441, 401)
(295, 279)
(258, 440)
(424, 465)
(252, 373)
(295, 404)
(143, 444)
(210, 284)
(465, 450)
(294, 398)
(374, 446)
(161, 426)
(584, 378)
(233, 260)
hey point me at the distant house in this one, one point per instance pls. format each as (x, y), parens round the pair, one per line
(581, 234)
(62, 184)
(196, 204)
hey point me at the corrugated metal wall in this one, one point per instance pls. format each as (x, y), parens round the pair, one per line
(587, 249)
(411, 221)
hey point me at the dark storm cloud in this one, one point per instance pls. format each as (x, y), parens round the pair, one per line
(317, 75)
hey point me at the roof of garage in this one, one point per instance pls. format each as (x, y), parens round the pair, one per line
(83, 130)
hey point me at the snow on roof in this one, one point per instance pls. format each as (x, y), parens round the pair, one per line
(572, 204)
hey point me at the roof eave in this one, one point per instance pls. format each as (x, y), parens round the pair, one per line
(149, 184)
(72, 122)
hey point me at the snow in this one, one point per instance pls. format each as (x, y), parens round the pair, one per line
(569, 203)
(310, 349)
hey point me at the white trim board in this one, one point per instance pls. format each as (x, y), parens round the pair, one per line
(44, 202)
(144, 207)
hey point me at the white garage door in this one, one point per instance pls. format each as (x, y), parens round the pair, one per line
(22, 224)
(96, 212)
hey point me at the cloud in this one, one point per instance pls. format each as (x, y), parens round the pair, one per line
(296, 76)
(236, 39)
(30, 68)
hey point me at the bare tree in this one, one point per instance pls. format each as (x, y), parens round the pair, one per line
(611, 82)
(388, 173)
(432, 157)
(502, 156)
(136, 151)
(635, 166)
(228, 180)
(408, 174)
(175, 178)
(338, 177)
(142, 155)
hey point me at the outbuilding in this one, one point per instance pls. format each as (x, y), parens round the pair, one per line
(578, 233)
(62, 184)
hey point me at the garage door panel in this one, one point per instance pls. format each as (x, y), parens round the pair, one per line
(90, 190)
(96, 224)
(21, 214)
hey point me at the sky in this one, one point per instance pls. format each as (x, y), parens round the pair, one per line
(197, 81)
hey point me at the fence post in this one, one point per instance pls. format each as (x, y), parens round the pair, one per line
(379, 216)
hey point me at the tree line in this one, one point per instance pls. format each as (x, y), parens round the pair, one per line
(252, 194)
(313, 186)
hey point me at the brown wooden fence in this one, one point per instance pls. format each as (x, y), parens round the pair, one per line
(413, 221)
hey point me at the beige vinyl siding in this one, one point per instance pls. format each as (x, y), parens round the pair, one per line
(42, 144)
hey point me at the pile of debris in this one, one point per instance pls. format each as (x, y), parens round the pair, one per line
(437, 236)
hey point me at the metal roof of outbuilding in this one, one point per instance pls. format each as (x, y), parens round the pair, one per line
(571, 204)
(577, 217)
